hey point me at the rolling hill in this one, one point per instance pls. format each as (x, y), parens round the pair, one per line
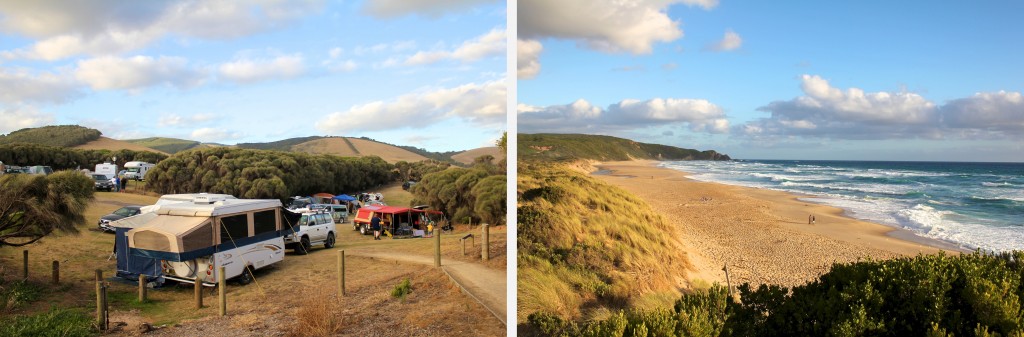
(572, 147)
(466, 157)
(165, 144)
(356, 147)
(104, 143)
(54, 135)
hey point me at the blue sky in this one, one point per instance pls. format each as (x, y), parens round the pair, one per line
(857, 80)
(410, 72)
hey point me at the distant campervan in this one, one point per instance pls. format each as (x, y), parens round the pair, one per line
(192, 240)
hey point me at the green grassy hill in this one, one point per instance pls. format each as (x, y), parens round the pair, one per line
(281, 145)
(169, 145)
(55, 135)
(573, 147)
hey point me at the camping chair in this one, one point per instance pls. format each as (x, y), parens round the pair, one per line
(404, 229)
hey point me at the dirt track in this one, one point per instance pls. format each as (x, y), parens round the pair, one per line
(485, 284)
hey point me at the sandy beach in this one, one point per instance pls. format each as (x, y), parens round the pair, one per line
(762, 235)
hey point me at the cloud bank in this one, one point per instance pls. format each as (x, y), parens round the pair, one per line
(481, 104)
(582, 116)
(825, 111)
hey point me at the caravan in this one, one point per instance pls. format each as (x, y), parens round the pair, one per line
(191, 241)
(137, 169)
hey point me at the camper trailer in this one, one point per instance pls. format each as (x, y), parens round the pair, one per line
(137, 169)
(107, 169)
(192, 240)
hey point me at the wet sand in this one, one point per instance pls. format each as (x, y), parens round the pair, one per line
(762, 235)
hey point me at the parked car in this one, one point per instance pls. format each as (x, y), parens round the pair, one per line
(339, 213)
(103, 182)
(408, 184)
(119, 214)
(314, 227)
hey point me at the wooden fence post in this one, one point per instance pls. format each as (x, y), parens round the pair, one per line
(341, 272)
(56, 272)
(486, 247)
(99, 299)
(198, 289)
(223, 291)
(24, 274)
(437, 247)
(142, 288)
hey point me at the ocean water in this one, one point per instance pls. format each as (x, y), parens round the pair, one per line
(973, 205)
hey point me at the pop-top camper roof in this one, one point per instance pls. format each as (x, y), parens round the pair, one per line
(182, 230)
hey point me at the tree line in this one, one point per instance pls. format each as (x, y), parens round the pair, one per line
(62, 158)
(255, 174)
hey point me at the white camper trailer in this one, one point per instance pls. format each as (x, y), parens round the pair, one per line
(107, 169)
(193, 240)
(137, 169)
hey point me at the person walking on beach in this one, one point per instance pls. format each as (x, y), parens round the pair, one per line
(813, 220)
(375, 225)
(810, 218)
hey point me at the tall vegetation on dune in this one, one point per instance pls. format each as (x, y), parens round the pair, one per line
(61, 158)
(57, 135)
(936, 295)
(415, 171)
(463, 193)
(265, 174)
(586, 245)
(33, 206)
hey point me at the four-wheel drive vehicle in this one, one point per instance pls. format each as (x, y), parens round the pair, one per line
(339, 213)
(312, 227)
(119, 214)
(103, 182)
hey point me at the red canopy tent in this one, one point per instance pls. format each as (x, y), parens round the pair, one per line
(394, 219)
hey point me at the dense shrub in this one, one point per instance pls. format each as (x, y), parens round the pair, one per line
(265, 174)
(465, 193)
(574, 147)
(928, 295)
(60, 158)
(33, 206)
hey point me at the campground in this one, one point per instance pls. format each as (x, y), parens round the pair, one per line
(295, 297)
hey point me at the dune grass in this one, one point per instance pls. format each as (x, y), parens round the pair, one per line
(586, 246)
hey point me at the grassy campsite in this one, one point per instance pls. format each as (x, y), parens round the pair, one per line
(391, 285)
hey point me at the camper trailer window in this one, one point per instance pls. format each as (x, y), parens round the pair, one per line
(202, 237)
(264, 221)
(234, 227)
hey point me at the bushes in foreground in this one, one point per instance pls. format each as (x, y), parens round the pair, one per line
(935, 295)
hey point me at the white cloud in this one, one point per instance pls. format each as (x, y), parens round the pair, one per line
(249, 70)
(527, 63)
(105, 27)
(828, 112)
(21, 86)
(214, 135)
(610, 26)
(995, 111)
(581, 116)
(177, 120)
(490, 44)
(20, 117)
(731, 41)
(393, 47)
(133, 73)
(429, 8)
(480, 104)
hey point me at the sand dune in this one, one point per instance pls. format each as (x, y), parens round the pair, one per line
(466, 157)
(762, 235)
(105, 143)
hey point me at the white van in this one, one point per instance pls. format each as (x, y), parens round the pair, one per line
(137, 169)
(193, 240)
(107, 169)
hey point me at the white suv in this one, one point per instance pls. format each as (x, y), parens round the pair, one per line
(314, 227)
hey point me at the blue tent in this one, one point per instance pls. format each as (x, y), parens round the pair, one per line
(130, 266)
(344, 197)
